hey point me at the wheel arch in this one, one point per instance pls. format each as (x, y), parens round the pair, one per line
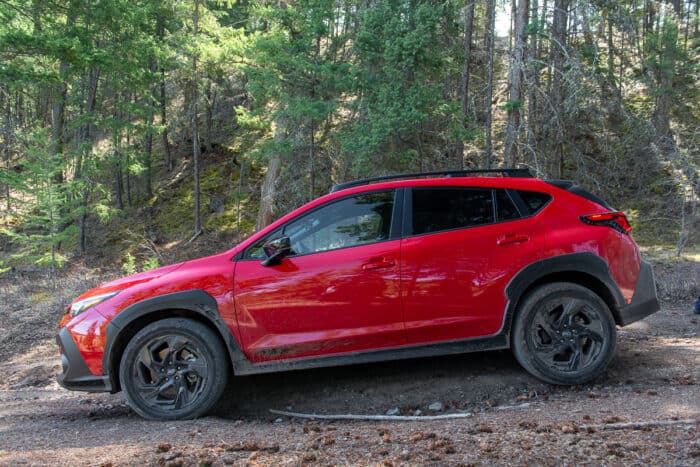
(585, 269)
(197, 305)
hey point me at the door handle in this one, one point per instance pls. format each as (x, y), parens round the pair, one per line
(512, 239)
(378, 263)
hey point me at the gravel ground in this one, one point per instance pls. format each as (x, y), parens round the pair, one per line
(510, 418)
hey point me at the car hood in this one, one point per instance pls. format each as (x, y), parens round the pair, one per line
(129, 281)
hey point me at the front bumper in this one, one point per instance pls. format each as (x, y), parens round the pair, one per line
(76, 375)
(644, 301)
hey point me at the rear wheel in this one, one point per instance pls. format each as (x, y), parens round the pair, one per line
(564, 334)
(175, 368)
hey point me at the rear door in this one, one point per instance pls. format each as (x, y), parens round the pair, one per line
(461, 247)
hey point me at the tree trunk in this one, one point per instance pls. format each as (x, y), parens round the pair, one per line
(58, 117)
(195, 127)
(60, 95)
(164, 122)
(515, 85)
(160, 32)
(666, 70)
(491, 34)
(558, 58)
(118, 180)
(464, 88)
(312, 156)
(211, 102)
(267, 190)
(532, 84)
(7, 141)
(148, 137)
(83, 154)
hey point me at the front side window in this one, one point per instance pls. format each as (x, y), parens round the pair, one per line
(438, 209)
(354, 221)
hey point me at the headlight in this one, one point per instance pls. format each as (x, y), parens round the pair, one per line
(78, 307)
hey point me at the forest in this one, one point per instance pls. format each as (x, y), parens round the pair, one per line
(129, 127)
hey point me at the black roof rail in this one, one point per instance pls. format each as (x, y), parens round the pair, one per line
(524, 173)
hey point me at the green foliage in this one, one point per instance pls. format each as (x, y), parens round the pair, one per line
(333, 90)
(511, 105)
(151, 263)
(129, 265)
(46, 223)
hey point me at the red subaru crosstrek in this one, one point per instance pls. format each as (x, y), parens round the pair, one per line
(396, 267)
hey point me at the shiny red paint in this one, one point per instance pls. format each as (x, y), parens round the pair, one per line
(327, 302)
(440, 270)
(417, 289)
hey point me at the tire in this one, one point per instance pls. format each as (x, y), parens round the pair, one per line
(174, 369)
(564, 334)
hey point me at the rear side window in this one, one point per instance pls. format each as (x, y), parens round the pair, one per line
(505, 208)
(534, 201)
(438, 209)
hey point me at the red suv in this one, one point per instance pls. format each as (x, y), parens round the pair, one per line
(397, 267)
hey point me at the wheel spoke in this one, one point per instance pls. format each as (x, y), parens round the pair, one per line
(548, 352)
(575, 359)
(585, 331)
(183, 396)
(146, 358)
(571, 307)
(175, 345)
(148, 391)
(547, 325)
(198, 367)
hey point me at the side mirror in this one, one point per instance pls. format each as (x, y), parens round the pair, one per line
(276, 249)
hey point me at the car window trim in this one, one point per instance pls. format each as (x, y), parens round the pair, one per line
(519, 209)
(333, 201)
(520, 202)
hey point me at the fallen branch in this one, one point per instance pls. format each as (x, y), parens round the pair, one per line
(194, 236)
(371, 417)
(638, 425)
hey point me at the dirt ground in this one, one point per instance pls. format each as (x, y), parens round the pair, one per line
(509, 417)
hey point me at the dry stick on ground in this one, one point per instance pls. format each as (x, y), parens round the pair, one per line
(371, 417)
(605, 426)
(638, 425)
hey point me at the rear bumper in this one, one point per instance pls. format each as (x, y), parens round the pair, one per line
(76, 375)
(644, 301)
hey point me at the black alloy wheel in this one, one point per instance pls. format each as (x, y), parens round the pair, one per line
(564, 334)
(174, 369)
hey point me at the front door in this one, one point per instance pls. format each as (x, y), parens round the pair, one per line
(338, 291)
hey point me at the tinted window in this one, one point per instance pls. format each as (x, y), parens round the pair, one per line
(349, 222)
(436, 209)
(505, 208)
(533, 200)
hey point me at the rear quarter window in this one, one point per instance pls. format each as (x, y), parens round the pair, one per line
(534, 201)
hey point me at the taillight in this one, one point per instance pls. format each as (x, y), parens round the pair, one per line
(616, 220)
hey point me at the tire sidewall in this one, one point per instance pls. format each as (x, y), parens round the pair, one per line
(212, 352)
(522, 347)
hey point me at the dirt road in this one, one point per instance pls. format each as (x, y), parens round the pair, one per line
(514, 418)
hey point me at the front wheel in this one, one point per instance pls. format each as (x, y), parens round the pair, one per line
(173, 369)
(564, 334)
